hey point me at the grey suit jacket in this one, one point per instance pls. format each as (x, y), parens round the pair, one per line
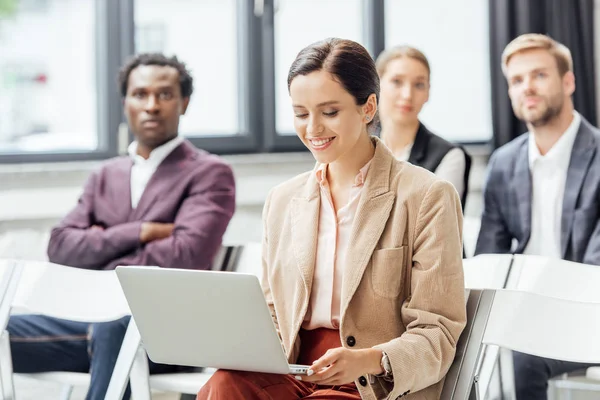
(507, 199)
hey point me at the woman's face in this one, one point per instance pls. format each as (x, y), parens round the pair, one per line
(404, 90)
(326, 117)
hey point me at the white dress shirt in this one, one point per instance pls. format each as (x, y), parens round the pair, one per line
(142, 169)
(451, 168)
(548, 178)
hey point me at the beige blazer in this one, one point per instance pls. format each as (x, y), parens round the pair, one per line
(402, 287)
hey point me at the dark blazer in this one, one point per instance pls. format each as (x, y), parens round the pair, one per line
(507, 199)
(429, 150)
(191, 188)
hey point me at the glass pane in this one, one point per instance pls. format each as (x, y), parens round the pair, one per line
(48, 87)
(299, 23)
(203, 34)
(454, 37)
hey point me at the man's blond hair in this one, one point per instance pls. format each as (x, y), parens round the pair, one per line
(533, 41)
(399, 52)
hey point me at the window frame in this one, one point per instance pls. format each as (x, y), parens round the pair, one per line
(115, 38)
(249, 87)
(374, 34)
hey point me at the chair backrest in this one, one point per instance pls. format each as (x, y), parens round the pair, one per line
(67, 292)
(232, 258)
(250, 259)
(226, 258)
(544, 326)
(487, 271)
(527, 322)
(7, 277)
(460, 378)
(7, 268)
(555, 278)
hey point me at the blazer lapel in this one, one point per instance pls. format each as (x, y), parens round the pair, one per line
(305, 224)
(521, 187)
(123, 195)
(159, 182)
(371, 217)
(581, 156)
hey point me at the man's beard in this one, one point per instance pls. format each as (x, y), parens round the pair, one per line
(554, 106)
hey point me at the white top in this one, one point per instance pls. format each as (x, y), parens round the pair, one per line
(451, 168)
(142, 169)
(548, 177)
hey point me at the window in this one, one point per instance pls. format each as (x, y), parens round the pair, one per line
(217, 40)
(203, 34)
(60, 59)
(454, 37)
(48, 77)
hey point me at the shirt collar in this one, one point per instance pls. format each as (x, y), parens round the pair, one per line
(359, 180)
(158, 154)
(561, 151)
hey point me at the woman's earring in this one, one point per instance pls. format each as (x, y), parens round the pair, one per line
(368, 118)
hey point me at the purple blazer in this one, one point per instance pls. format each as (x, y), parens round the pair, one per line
(191, 188)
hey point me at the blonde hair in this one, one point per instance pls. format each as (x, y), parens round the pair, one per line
(533, 41)
(398, 52)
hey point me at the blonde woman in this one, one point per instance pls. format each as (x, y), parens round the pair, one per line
(405, 80)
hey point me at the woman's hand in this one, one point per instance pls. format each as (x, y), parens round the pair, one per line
(341, 366)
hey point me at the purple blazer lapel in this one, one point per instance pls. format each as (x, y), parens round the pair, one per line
(161, 180)
(119, 178)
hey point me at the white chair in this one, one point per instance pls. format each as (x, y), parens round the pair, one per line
(555, 278)
(133, 357)
(560, 279)
(459, 380)
(62, 292)
(524, 322)
(488, 271)
(250, 259)
(7, 270)
(534, 274)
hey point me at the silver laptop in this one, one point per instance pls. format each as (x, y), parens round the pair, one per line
(204, 319)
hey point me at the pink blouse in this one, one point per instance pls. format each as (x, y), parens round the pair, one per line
(332, 245)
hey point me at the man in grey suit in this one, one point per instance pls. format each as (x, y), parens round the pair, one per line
(542, 189)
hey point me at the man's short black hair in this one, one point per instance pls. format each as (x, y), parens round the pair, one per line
(185, 78)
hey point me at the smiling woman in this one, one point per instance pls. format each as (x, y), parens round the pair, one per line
(348, 247)
(334, 104)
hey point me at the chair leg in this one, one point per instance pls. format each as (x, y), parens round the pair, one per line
(65, 393)
(124, 365)
(507, 373)
(6, 370)
(140, 376)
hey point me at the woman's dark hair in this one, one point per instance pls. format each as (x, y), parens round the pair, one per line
(186, 82)
(349, 62)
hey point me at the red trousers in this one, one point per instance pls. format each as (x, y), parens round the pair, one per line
(239, 385)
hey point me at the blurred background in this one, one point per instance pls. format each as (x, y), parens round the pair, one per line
(61, 113)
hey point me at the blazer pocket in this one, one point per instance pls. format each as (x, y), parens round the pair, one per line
(388, 271)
